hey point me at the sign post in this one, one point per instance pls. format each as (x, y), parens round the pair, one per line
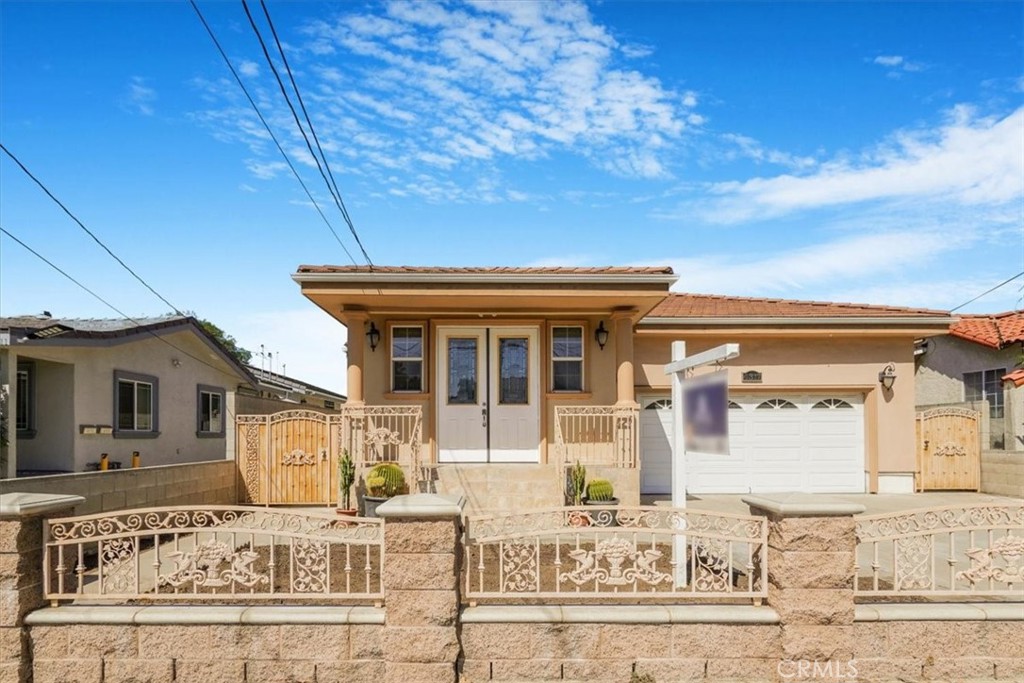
(677, 368)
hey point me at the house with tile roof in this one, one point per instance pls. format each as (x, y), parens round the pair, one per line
(520, 368)
(80, 388)
(980, 362)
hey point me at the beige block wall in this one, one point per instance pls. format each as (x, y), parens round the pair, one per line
(206, 653)
(201, 483)
(848, 364)
(1002, 473)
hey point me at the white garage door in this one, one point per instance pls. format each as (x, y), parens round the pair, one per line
(788, 442)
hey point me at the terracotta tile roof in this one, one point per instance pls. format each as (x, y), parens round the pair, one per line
(997, 330)
(1015, 376)
(496, 270)
(717, 306)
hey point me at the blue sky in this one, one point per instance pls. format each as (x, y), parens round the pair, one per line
(869, 152)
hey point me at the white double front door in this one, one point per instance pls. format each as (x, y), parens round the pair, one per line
(488, 394)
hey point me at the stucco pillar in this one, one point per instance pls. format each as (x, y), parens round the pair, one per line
(21, 572)
(356, 320)
(421, 587)
(624, 378)
(812, 545)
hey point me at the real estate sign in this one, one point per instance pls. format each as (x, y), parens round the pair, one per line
(706, 413)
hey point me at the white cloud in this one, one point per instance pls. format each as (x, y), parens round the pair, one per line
(969, 160)
(848, 258)
(889, 60)
(266, 170)
(637, 51)
(249, 68)
(245, 187)
(751, 149)
(139, 97)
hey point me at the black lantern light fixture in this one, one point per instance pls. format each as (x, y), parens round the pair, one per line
(601, 335)
(887, 377)
(373, 336)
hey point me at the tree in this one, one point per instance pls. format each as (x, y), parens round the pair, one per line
(229, 343)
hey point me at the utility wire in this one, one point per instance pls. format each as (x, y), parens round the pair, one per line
(988, 291)
(87, 230)
(270, 132)
(110, 305)
(298, 123)
(309, 122)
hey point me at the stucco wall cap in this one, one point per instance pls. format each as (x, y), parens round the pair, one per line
(25, 504)
(422, 505)
(804, 505)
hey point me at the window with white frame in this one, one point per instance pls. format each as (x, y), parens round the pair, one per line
(986, 385)
(407, 358)
(567, 358)
(210, 411)
(135, 404)
(24, 409)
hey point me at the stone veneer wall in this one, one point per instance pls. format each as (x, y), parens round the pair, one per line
(196, 483)
(207, 645)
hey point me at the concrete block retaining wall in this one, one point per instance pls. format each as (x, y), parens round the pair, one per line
(196, 483)
(1002, 473)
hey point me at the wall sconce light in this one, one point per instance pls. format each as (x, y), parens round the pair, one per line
(373, 336)
(601, 335)
(887, 377)
(175, 362)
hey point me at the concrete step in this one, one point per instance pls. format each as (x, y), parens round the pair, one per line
(501, 487)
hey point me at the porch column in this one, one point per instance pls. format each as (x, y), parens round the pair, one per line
(356, 321)
(624, 381)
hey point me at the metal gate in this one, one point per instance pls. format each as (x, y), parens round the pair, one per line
(285, 459)
(949, 449)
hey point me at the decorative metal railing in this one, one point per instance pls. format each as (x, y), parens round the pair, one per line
(597, 435)
(613, 554)
(213, 553)
(951, 551)
(375, 434)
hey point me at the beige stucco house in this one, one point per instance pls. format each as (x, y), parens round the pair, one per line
(81, 388)
(544, 366)
(979, 363)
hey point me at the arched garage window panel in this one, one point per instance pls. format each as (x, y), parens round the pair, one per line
(832, 404)
(733, 405)
(660, 404)
(776, 404)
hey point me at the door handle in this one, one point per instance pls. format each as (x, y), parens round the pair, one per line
(483, 415)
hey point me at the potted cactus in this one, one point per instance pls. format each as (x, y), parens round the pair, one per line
(383, 481)
(601, 492)
(576, 481)
(346, 477)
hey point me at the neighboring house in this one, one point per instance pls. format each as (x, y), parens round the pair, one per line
(80, 388)
(285, 389)
(532, 365)
(979, 362)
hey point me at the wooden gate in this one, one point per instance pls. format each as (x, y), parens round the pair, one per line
(285, 458)
(949, 449)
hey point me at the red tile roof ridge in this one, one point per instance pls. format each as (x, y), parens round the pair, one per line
(495, 270)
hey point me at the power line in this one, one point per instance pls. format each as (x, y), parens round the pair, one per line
(270, 132)
(82, 226)
(312, 129)
(988, 291)
(108, 304)
(319, 167)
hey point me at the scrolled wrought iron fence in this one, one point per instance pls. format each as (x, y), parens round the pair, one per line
(952, 551)
(213, 553)
(606, 554)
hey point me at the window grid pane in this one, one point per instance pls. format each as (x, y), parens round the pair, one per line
(462, 370)
(143, 406)
(23, 409)
(567, 358)
(126, 405)
(407, 358)
(514, 378)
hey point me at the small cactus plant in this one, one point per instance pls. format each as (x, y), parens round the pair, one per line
(577, 482)
(600, 490)
(385, 480)
(346, 477)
